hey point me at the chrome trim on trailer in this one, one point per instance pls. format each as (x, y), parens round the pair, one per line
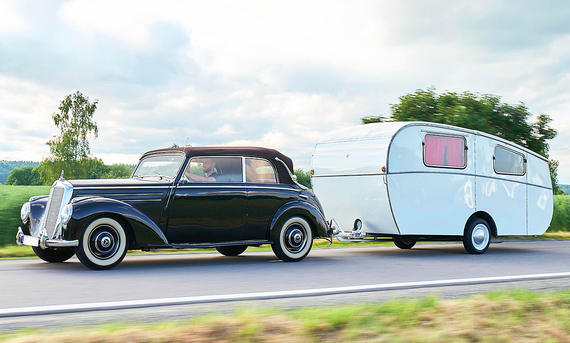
(476, 175)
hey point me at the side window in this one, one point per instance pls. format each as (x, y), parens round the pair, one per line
(259, 171)
(213, 169)
(506, 161)
(444, 151)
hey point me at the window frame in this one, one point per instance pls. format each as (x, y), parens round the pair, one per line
(263, 159)
(180, 167)
(465, 149)
(514, 152)
(217, 156)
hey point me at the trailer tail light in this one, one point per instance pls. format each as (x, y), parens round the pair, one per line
(312, 172)
(383, 169)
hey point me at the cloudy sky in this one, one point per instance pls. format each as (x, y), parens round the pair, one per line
(276, 74)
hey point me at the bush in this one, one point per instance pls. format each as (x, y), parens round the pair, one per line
(303, 178)
(561, 215)
(24, 176)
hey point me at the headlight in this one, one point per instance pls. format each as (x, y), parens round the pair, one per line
(25, 212)
(66, 214)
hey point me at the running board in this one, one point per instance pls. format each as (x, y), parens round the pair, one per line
(205, 245)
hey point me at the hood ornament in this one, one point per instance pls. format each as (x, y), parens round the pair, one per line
(61, 175)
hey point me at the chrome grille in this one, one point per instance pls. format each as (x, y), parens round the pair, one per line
(53, 207)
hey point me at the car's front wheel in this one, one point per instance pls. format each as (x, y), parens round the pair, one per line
(103, 244)
(233, 250)
(54, 255)
(293, 240)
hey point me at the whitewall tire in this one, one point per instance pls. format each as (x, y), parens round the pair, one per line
(103, 244)
(293, 240)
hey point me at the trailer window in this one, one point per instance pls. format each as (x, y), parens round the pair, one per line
(506, 161)
(444, 151)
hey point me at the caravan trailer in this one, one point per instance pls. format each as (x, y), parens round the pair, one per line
(413, 181)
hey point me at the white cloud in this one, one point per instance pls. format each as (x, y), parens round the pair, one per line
(11, 18)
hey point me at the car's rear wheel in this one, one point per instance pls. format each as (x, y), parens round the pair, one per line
(404, 242)
(477, 236)
(233, 250)
(293, 240)
(103, 244)
(54, 255)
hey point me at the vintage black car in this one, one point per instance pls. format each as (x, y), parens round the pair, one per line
(226, 198)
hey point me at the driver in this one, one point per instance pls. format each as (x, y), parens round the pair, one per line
(209, 169)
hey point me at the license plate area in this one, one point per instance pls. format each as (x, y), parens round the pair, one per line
(31, 241)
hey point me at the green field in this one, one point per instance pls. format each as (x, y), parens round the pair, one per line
(504, 316)
(12, 198)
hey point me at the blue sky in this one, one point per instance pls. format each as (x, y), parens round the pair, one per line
(277, 74)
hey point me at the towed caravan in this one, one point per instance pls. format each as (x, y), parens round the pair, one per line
(412, 181)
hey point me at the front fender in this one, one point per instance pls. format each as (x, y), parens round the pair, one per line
(303, 209)
(145, 231)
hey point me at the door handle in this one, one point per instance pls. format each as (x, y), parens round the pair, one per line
(183, 195)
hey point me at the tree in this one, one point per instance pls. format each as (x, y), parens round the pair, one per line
(75, 123)
(478, 112)
(118, 171)
(70, 150)
(24, 176)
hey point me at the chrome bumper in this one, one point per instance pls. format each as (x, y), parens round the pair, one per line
(43, 242)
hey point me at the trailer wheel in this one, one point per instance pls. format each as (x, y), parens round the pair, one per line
(233, 250)
(54, 255)
(293, 241)
(477, 236)
(404, 243)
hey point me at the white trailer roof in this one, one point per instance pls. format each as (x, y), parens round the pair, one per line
(389, 129)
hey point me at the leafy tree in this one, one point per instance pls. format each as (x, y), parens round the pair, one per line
(75, 123)
(303, 177)
(70, 150)
(118, 171)
(478, 112)
(24, 176)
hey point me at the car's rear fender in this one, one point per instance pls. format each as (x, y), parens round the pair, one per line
(301, 209)
(143, 229)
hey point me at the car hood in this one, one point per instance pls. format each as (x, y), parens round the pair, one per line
(115, 182)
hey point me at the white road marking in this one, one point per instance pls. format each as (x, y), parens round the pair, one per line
(129, 304)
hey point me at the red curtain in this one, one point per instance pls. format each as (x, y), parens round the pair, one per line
(444, 151)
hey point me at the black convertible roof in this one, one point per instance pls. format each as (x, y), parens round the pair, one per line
(266, 153)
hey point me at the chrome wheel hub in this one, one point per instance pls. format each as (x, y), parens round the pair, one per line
(295, 238)
(480, 236)
(104, 242)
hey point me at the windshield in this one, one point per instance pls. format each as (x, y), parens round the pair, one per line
(162, 167)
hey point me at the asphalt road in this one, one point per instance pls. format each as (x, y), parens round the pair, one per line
(32, 282)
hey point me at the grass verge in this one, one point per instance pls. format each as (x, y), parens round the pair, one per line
(505, 316)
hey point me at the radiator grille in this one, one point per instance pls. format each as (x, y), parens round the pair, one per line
(54, 205)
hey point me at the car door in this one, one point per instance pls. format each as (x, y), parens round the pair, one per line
(208, 207)
(264, 196)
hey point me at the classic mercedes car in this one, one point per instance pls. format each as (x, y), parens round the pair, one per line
(226, 198)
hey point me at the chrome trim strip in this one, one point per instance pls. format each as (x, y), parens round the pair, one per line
(469, 174)
(121, 187)
(242, 186)
(356, 174)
